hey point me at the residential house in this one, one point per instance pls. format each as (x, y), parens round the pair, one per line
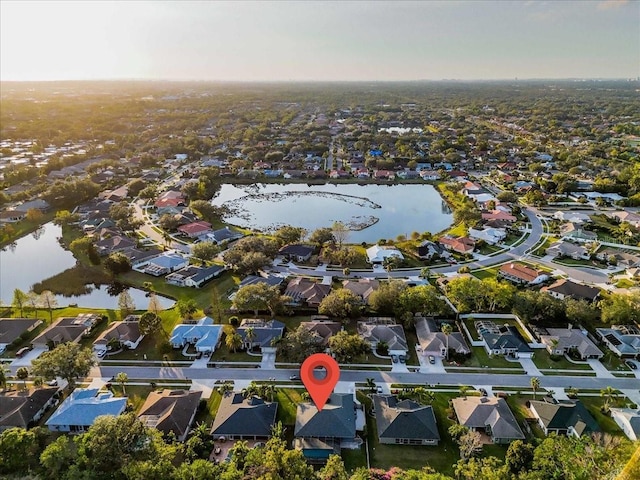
(193, 276)
(463, 245)
(630, 217)
(362, 287)
(162, 264)
(127, 333)
(80, 409)
(171, 411)
(430, 175)
(222, 235)
(502, 340)
(567, 249)
(12, 216)
(489, 235)
(622, 258)
(241, 418)
(490, 415)
(305, 291)
(575, 231)
(324, 329)
(433, 342)
(427, 250)
(297, 252)
(623, 340)
(170, 198)
(572, 216)
(376, 330)
(23, 408)
(38, 204)
(11, 329)
(195, 229)
(265, 333)
(560, 341)
(138, 257)
(564, 288)
(377, 254)
(520, 274)
(204, 335)
(628, 419)
(564, 417)
(67, 329)
(271, 280)
(114, 244)
(321, 433)
(498, 215)
(404, 422)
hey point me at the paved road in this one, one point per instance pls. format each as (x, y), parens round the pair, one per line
(562, 381)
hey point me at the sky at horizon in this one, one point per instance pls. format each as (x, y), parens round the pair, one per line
(319, 41)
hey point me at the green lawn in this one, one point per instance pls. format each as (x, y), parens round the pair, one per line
(288, 400)
(207, 414)
(480, 358)
(607, 424)
(543, 360)
(485, 273)
(136, 394)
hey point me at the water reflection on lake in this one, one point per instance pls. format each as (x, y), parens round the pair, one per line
(390, 210)
(38, 256)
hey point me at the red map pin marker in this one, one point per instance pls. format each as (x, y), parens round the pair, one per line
(320, 389)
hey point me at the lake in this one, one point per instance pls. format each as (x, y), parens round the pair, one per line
(38, 256)
(385, 211)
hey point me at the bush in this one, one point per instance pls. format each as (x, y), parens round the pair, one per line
(234, 321)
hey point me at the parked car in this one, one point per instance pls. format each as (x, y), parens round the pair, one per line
(394, 358)
(432, 359)
(402, 358)
(294, 377)
(23, 351)
(53, 383)
(631, 364)
(378, 389)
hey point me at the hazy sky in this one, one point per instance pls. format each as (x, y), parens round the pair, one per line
(305, 40)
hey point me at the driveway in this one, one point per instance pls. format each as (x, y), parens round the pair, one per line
(601, 370)
(529, 367)
(426, 367)
(268, 360)
(25, 361)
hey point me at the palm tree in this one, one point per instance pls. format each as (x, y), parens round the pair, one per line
(3, 376)
(464, 389)
(37, 382)
(572, 392)
(425, 272)
(122, 378)
(252, 390)
(609, 393)
(371, 385)
(535, 385)
(225, 388)
(268, 392)
(249, 337)
(233, 342)
(447, 329)
(22, 373)
(305, 396)
(424, 395)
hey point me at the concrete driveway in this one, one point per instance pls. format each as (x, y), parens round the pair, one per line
(601, 370)
(25, 361)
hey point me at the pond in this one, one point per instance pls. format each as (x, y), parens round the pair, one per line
(38, 256)
(371, 211)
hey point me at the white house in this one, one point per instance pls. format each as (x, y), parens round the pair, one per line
(377, 254)
(488, 234)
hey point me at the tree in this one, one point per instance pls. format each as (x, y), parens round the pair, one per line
(386, 298)
(186, 307)
(48, 301)
(371, 385)
(580, 311)
(233, 341)
(135, 187)
(345, 347)
(621, 309)
(340, 303)
(22, 374)
(117, 263)
(68, 361)
(424, 396)
(205, 251)
(424, 299)
(508, 197)
(34, 215)
(322, 236)
(57, 457)
(425, 272)
(19, 300)
(299, 344)
(19, 448)
(519, 456)
(125, 303)
(535, 385)
(260, 296)
(464, 389)
(608, 393)
(287, 235)
(340, 232)
(168, 223)
(149, 323)
(488, 468)
(205, 210)
(122, 378)
(4, 371)
(65, 217)
(470, 443)
(225, 388)
(334, 469)
(154, 303)
(249, 336)
(447, 329)
(33, 300)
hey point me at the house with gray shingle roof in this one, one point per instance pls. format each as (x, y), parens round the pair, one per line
(21, 408)
(244, 418)
(382, 329)
(489, 415)
(265, 332)
(564, 417)
(404, 422)
(319, 433)
(434, 342)
(564, 288)
(623, 340)
(12, 328)
(559, 341)
(126, 332)
(171, 411)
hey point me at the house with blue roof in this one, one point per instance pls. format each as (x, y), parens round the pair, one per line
(163, 264)
(80, 409)
(204, 335)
